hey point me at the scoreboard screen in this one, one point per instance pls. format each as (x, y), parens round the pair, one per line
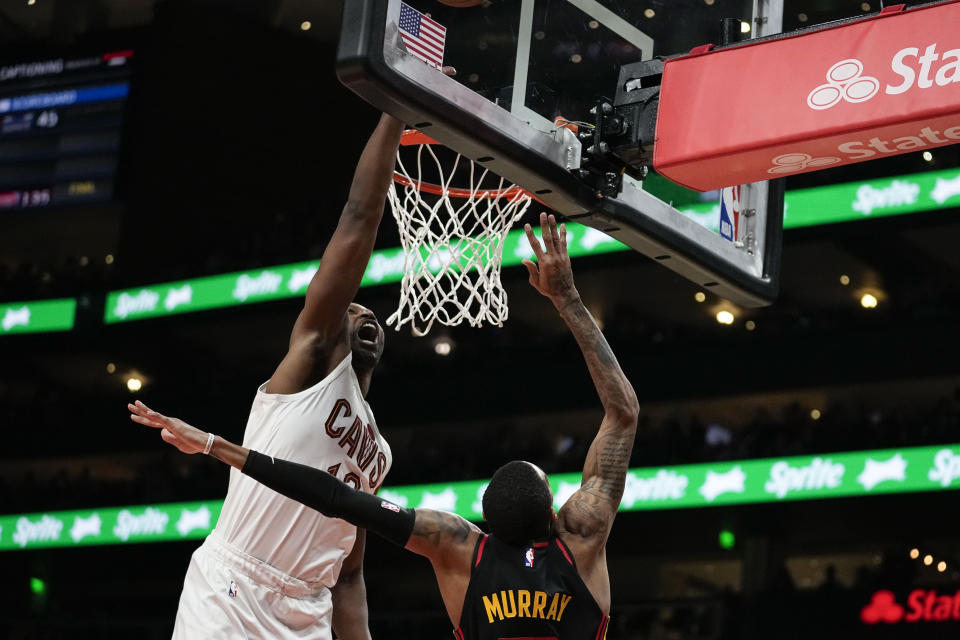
(60, 126)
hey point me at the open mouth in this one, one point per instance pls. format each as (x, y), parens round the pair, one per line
(368, 333)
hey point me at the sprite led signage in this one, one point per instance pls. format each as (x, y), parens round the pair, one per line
(155, 523)
(38, 316)
(855, 200)
(806, 207)
(290, 281)
(860, 473)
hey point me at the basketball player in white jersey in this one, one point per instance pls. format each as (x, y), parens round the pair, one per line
(274, 568)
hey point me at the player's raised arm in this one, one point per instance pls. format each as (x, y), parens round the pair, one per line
(345, 259)
(589, 513)
(319, 327)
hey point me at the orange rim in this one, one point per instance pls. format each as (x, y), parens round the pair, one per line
(414, 137)
(437, 190)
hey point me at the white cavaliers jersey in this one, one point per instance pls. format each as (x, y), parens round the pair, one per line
(328, 426)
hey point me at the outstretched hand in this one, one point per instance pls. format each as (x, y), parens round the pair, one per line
(551, 275)
(174, 431)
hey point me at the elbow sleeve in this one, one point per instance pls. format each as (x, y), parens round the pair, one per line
(321, 491)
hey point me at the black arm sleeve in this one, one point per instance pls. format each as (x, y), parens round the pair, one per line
(321, 491)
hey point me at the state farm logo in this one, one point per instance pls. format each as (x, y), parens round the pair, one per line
(883, 607)
(845, 81)
(923, 605)
(792, 162)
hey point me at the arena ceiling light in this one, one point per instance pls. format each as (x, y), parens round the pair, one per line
(725, 317)
(443, 346)
(868, 301)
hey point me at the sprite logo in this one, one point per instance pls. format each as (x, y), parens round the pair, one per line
(146, 300)
(267, 282)
(15, 317)
(946, 468)
(821, 473)
(83, 527)
(177, 297)
(47, 528)
(900, 193)
(150, 522)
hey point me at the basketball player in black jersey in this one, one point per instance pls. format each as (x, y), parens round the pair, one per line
(539, 574)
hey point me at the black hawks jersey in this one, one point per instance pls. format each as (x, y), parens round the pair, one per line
(528, 593)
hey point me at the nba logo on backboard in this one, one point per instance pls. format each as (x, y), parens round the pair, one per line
(528, 557)
(729, 212)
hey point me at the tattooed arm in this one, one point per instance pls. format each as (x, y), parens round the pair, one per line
(590, 511)
(448, 541)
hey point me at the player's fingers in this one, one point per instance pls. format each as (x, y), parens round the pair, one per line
(168, 436)
(144, 409)
(546, 234)
(563, 239)
(554, 233)
(534, 242)
(150, 413)
(532, 270)
(449, 71)
(145, 421)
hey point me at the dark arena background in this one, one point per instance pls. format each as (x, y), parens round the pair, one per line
(212, 137)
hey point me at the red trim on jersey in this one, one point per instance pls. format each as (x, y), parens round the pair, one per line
(602, 631)
(540, 545)
(565, 554)
(458, 633)
(483, 541)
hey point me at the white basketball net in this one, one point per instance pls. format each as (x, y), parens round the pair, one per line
(452, 244)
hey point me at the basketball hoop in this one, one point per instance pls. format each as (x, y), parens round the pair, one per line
(452, 238)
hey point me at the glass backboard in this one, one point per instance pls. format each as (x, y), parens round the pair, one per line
(521, 65)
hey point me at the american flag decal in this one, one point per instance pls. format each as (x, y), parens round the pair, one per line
(423, 37)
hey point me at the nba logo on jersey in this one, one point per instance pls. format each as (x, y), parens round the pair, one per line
(232, 589)
(729, 212)
(528, 557)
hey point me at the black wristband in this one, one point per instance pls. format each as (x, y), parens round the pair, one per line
(321, 491)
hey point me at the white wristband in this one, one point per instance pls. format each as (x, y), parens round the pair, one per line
(209, 445)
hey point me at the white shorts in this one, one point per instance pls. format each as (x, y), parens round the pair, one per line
(228, 594)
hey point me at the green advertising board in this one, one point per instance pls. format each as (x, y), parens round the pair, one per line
(123, 525)
(37, 316)
(860, 473)
(855, 200)
(803, 208)
(288, 281)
